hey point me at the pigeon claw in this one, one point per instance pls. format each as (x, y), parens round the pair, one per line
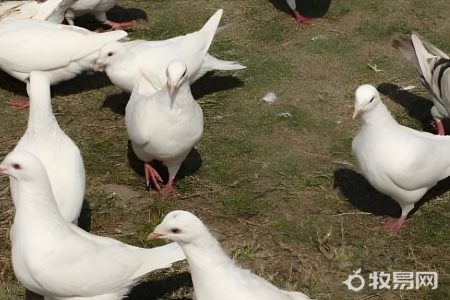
(119, 25)
(19, 103)
(301, 19)
(394, 226)
(152, 176)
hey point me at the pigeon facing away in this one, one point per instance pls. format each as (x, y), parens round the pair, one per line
(46, 10)
(98, 9)
(214, 274)
(61, 51)
(432, 65)
(396, 160)
(57, 152)
(127, 63)
(56, 259)
(164, 126)
(298, 17)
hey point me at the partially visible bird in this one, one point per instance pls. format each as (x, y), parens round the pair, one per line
(398, 161)
(433, 67)
(129, 62)
(214, 274)
(47, 10)
(57, 152)
(56, 259)
(98, 9)
(298, 17)
(61, 51)
(165, 125)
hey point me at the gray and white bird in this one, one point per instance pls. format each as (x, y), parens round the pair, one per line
(165, 125)
(60, 51)
(398, 161)
(58, 260)
(146, 61)
(98, 9)
(433, 67)
(57, 152)
(214, 274)
(46, 10)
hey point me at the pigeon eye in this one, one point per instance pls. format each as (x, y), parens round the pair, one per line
(110, 54)
(175, 230)
(371, 99)
(184, 74)
(16, 166)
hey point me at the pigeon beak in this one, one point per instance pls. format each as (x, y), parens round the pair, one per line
(154, 236)
(357, 114)
(98, 66)
(2, 170)
(172, 88)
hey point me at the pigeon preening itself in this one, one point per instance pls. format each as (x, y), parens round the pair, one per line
(214, 274)
(60, 51)
(146, 61)
(98, 9)
(58, 260)
(57, 152)
(433, 67)
(164, 126)
(298, 17)
(398, 161)
(47, 10)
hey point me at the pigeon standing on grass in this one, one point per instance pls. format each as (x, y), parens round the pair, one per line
(57, 152)
(214, 274)
(164, 126)
(433, 67)
(60, 51)
(129, 62)
(98, 9)
(396, 160)
(58, 260)
(298, 17)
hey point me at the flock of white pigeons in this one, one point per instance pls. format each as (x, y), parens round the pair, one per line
(56, 259)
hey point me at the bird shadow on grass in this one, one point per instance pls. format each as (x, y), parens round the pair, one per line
(209, 84)
(87, 81)
(158, 289)
(417, 107)
(190, 165)
(117, 102)
(363, 196)
(308, 8)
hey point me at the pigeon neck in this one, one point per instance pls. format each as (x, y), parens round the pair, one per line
(176, 100)
(41, 114)
(378, 115)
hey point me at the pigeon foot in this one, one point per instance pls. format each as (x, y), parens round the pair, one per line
(394, 226)
(19, 103)
(439, 127)
(152, 175)
(168, 190)
(301, 19)
(117, 25)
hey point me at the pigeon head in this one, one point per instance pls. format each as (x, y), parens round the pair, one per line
(176, 75)
(21, 165)
(366, 97)
(107, 54)
(179, 226)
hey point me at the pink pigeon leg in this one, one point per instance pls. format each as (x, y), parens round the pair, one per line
(152, 175)
(394, 226)
(440, 127)
(301, 19)
(117, 25)
(19, 103)
(168, 189)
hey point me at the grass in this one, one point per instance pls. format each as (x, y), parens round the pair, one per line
(281, 194)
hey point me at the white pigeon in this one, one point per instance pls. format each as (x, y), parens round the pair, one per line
(298, 17)
(214, 274)
(164, 126)
(57, 152)
(396, 160)
(432, 65)
(126, 63)
(98, 9)
(58, 260)
(47, 10)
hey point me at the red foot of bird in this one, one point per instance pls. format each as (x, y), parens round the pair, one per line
(19, 103)
(151, 175)
(394, 226)
(168, 190)
(439, 127)
(122, 25)
(301, 19)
